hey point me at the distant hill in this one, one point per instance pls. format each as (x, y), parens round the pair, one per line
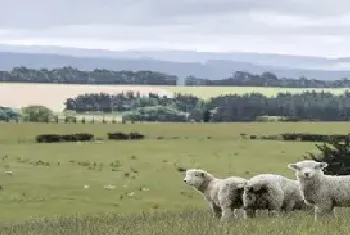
(180, 63)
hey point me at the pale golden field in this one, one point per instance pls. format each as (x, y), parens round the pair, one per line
(54, 95)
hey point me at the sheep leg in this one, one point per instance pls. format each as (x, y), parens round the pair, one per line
(238, 213)
(249, 213)
(216, 210)
(226, 200)
(226, 213)
(288, 207)
(274, 206)
(324, 211)
(273, 213)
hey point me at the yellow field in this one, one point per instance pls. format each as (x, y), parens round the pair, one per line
(54, 95)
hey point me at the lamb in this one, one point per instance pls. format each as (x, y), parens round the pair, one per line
(323, 192)
(224, 196)
(271, 192)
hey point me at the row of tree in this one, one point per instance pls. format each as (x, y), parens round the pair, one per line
(267, 79)
(311, 106)
(323, 106)
(69, 75)
(133, 106)
(128, 101)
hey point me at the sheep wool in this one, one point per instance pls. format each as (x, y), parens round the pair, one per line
(323, 192)
(272, 192)
(224, 196)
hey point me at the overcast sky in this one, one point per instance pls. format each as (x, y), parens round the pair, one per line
(304, 27)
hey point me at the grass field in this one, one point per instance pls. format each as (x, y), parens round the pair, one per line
(54, 95)
(150, 196)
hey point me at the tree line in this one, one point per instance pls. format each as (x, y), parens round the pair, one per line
(69, 75)
(307, 106)
(267, 79)
(133, 106)
(311, 106)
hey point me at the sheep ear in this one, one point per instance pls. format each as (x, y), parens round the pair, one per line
(321, 165)
(293, 167)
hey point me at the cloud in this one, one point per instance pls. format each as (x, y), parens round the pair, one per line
(46, 13)
(303, 26)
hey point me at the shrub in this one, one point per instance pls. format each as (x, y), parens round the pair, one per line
(136, 136)
(337, 155)
(37, 113)
(7, 114)
(70, 118)
(123, 136)
(117, 136)
(54, 138)
(313, 137)
(252, 137)
(84, 137)
(47, 138)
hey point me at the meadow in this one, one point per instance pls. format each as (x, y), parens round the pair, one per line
(53, 96)
(46, 194)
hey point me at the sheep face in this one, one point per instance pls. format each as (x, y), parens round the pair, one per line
(195, 178)
(308, 169)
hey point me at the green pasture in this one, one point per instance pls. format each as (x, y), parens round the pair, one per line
(48, 179)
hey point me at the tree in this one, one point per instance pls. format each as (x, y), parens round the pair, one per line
(3, 116)
(7, 114)
(206, 116)
(36, 113)
(337, 156)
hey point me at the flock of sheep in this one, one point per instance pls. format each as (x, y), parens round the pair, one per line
(275, 193)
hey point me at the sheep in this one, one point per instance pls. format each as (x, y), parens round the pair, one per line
(271, 192)
(323, 192)
(109, 186)
(8, 172)
(224, 196)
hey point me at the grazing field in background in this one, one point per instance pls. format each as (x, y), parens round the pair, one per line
(53, 96)
(137, 181)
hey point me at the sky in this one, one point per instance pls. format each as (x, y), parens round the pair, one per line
(300, 27)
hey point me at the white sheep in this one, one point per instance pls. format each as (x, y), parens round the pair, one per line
(8, 172)
(109, 186)
(272, 192)
(323, 192)
(224, 196)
